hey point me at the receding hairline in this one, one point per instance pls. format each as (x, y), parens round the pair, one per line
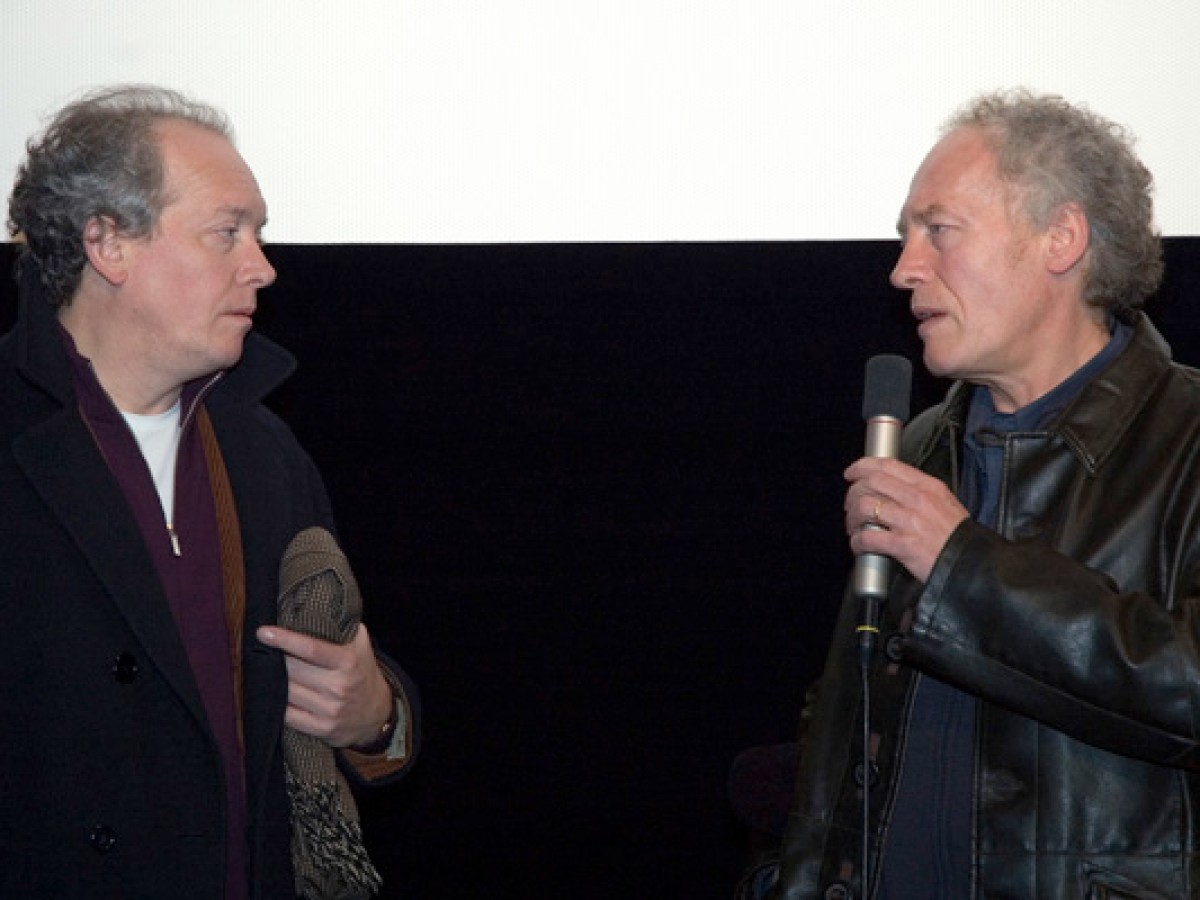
(173, 131)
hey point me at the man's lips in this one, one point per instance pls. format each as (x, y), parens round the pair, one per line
(242, 318)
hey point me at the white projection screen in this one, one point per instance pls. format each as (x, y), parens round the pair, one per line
(448, 121)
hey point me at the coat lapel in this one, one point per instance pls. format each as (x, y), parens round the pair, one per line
(63, 464)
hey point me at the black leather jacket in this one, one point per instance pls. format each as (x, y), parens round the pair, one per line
(1076, 624)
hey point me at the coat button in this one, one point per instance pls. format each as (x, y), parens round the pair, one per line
(102, 839)
(858, 775)
(125, 668)
(892, 648)
(837, 891)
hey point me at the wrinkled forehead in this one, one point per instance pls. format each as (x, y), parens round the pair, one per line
(959, 173)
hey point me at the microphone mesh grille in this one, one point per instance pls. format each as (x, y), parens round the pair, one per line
(888, 389)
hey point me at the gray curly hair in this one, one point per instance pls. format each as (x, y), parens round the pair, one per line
(98, 157)
(1056, 153)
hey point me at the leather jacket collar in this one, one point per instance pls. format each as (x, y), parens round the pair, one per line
(1096, 422)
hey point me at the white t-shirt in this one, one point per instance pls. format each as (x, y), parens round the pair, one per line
(158, 437)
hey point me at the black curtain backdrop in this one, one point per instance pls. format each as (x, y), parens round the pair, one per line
(593, 495)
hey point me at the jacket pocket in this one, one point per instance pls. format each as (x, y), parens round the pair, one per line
(1101, 884)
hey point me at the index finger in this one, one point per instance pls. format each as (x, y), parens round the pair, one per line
(302, 646)
(867, 466)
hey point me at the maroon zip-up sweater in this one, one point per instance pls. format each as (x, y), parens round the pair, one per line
(189, 567)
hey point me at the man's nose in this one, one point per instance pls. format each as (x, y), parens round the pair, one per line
(911, 268)
(258, 269)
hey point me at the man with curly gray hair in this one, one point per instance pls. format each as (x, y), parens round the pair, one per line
(147, 500)
(1032, 727)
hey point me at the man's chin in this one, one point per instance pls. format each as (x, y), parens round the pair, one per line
(936, 365)
(225, 357)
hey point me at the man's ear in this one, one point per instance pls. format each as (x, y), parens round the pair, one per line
(1069, 235)
(104, 244)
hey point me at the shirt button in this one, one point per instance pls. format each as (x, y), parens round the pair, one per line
(125, 668)
(892, 648)
(102, 839)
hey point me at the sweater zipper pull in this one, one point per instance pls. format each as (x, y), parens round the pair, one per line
(174, 539)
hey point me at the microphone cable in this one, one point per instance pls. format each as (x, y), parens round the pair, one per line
(866, 644)
(886, 397)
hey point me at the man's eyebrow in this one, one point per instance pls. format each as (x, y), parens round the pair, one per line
(920, 216)
(242, 214)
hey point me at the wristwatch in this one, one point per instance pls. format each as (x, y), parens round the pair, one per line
(383, 740)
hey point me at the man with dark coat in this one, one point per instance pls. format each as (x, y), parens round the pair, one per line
(146, 499)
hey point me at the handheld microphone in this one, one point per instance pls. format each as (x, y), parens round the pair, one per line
(886, 397)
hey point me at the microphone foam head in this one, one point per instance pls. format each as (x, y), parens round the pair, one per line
(888, 389)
